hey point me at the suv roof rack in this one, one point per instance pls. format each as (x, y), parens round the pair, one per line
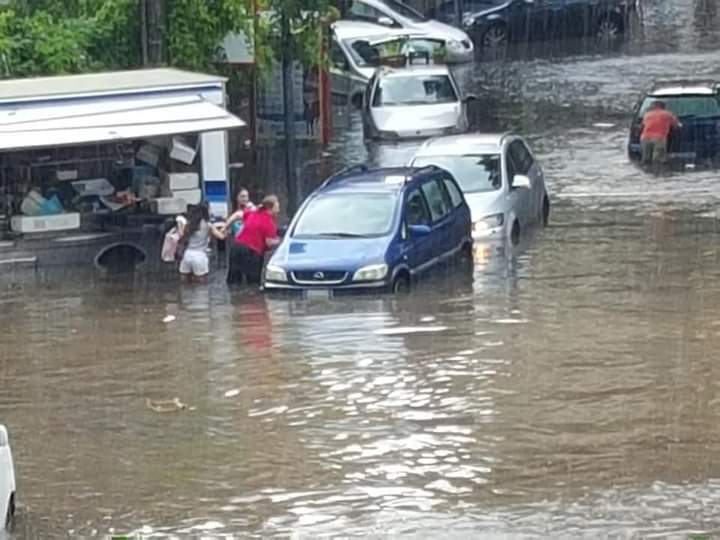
(342, 173)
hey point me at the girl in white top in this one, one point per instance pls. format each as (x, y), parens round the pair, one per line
(195, 265)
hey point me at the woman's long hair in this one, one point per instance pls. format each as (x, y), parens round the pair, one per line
(197, 213)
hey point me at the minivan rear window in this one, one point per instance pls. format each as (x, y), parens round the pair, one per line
(684, 106)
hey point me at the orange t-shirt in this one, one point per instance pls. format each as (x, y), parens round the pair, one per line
(657, 124)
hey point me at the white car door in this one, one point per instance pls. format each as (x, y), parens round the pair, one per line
(535, 173)
(7, 476)
(520, 203)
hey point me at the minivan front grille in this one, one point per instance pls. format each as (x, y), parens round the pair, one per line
(319, 277)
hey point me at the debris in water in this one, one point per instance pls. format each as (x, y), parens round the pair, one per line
(401, 330)
(169, 319)
(232, 393)
(603, 125)
(165, 406)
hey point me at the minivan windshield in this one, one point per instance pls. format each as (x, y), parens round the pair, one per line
(474, 173)
(347, 215)
(414, 90)
(684, 106)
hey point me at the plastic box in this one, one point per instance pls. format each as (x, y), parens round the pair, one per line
(170, 206)
(179, 181)
(190, 196)
(149, 154)
(94, 186)
(182, 152)
(57, 222)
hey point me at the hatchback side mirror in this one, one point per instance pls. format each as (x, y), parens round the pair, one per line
(418, 231)
(521, 181)
(386, 21)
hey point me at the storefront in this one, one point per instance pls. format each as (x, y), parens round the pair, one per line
(92, 166)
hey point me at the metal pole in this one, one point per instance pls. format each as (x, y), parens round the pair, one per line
(289, 113)
(144, 31)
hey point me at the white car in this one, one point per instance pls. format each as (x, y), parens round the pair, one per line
(395, 14)
(7, 481)
(502, 181)
(413, 102)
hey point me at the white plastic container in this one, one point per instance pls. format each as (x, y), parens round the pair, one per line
(169, 206)
(35, 224)
(190, 196)
(180, 181)
(182, 152)
(94, 186)
(149, 154)
(68, 174)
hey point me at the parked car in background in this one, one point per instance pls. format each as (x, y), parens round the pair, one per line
(502, 181)
(373, 229)
(413, 102)
(697, 105)
(395, 14)
(515, 21)
(357, 49)
(445, 11)
(7, 482)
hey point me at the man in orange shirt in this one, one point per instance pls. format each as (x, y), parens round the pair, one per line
(655, 130)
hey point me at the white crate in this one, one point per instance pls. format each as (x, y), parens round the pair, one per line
(56, 222)
(186, 180)
(149, 153)
(182, 152)
(190, 196)
(170, 206)
(68, 174)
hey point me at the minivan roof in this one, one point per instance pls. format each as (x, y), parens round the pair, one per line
(389, 179)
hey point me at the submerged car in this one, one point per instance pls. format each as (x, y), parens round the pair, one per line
(7, 482)
(697, 105)
(395, 14)
(502, 181)
(413, 102)
(496, 26)
(357, 49)
(372, 229)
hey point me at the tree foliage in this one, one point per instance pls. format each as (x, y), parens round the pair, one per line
(72, 36)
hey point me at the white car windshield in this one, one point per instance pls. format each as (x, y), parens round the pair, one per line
(474, 173)
(405, 10)
(347, 215)
(414, 90)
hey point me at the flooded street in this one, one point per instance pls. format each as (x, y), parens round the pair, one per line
(572, 390)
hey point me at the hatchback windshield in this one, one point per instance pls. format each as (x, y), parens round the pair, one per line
(347, 215)
(405, 10)
(414, 90)
(697, 106)
(474, 173)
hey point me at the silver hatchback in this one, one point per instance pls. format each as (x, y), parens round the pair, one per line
(502, 181)
(413, 102)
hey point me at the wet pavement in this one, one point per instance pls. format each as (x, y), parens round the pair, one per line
(570, 391)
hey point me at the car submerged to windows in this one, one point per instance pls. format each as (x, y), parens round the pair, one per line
(376, 229)
(7, 482)
(394, 14)
(697, 106)
(502, 181)
(413, 102)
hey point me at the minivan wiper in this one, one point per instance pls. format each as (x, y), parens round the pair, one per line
(341, 235)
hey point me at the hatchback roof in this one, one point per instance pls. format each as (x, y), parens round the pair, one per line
(684, 87)
(462, 144)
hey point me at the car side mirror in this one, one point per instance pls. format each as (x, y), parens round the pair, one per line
(521, 181)
(386, 21)
(418, 231)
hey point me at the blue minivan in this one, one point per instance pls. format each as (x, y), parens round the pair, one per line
(372, 229)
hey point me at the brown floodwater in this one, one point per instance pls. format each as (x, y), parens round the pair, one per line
(572, 390)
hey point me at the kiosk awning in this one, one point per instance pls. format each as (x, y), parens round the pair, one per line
(54, 123)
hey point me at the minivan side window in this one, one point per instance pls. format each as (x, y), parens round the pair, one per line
(416, 210)
(455, 196)
(437, 199)
(510, 167)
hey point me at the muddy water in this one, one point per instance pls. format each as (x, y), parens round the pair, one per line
(570, 391)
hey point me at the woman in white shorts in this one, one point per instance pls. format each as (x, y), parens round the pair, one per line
(195, 265)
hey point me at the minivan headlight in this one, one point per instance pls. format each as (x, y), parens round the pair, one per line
(489, 222)
(374, 272)
(275, 273)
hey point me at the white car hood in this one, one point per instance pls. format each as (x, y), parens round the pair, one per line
(437, 29)
(416, 117)
(486, 203)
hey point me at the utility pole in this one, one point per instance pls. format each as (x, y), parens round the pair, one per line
(458, 13)
(289, 113)
(153, 19)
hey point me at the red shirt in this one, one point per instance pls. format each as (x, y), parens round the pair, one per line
(657, 124)
(258, 226)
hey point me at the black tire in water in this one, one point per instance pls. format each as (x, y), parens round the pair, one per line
(546, 211)
(515, 233)
(401, 284)
(10, 517)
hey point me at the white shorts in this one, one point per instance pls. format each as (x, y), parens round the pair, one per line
(195, 262)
